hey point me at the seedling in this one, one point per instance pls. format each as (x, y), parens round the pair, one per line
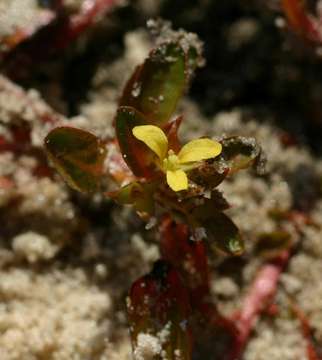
(174, 184)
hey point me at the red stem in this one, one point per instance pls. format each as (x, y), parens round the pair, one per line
(78, 23)
(263, 289)
(307, 333)
(301, 21)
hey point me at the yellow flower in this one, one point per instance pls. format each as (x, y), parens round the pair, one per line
(176, 165)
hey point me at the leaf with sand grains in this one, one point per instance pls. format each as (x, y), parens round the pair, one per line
(156, 86)
(158, 309)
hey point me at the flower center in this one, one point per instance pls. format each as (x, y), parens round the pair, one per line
(171, 162)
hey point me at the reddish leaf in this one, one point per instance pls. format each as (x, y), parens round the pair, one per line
(156, 86)
(136, 154)
(159, 310)
(209, 174)
(78, 156)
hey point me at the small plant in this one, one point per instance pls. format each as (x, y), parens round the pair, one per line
(173, 186)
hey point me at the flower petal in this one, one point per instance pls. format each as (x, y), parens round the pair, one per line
(177, 180)
(199, 149)
(153, 137)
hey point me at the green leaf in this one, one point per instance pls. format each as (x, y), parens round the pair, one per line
(156, 86)
(270, 245)
(135, 153)
(221, 232)
(140, 195)
(239, 152)
(78, 156)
